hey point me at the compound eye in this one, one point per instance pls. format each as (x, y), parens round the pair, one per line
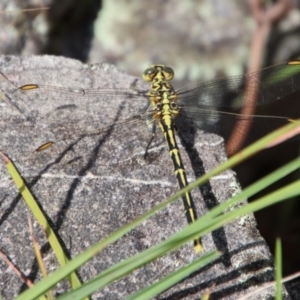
(149, 74)
(168, 72)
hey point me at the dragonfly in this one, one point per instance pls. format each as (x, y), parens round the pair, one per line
(213, 106)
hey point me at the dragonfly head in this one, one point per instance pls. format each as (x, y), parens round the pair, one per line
(161, 72)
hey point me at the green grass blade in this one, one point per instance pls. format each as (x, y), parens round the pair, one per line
(254, 188)
(189, 233)
(242, 155)
(38, 214)
(114, 272)
(178, 240)
(289, 191)
(175, 277)
(278, 269)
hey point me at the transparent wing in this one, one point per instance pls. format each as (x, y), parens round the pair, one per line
(266, 86)
(57, 114)
(222, 122)
(53, 101)
(211, 106)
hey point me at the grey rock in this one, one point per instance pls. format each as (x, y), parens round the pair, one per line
(90, 185)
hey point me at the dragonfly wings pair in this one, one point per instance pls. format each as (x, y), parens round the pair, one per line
(212, 106)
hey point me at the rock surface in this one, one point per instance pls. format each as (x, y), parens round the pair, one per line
(89, 186)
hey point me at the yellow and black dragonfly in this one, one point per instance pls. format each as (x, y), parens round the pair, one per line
(213, 106)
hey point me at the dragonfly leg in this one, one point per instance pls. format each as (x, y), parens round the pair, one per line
(151, 139)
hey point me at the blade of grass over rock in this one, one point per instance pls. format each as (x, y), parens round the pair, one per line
(247, 152)
(288, 191)
(255, 188)
(189, 233)
(38, 214)
(180, 238)
(278, 269)
(172, 279)
(39, 258)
